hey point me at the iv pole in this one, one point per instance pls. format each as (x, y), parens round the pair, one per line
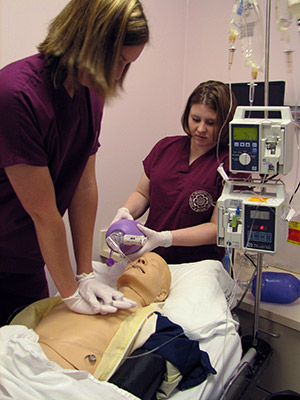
(267, 51)
(266, 102)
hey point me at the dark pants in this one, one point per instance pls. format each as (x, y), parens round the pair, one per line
(18, 291)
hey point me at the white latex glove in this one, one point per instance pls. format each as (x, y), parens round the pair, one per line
(101, 296)
(122, 213)
(77, 304)
(154, 240)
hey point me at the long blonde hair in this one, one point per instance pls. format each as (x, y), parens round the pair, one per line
(89, 34)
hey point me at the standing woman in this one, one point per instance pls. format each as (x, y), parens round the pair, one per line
(51, 108)
(181, 185)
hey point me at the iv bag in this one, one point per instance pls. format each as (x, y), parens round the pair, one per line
(252, 37)
(246, 24)
(236, 20)
(283, 18)
(294, 6)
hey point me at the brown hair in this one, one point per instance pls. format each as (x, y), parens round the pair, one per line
(89, 34)
(217, 96)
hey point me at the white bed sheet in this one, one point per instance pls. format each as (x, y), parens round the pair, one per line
(26, 373)
(196, 302)
(201, 296)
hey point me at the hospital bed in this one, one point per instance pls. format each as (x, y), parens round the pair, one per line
(201, 296)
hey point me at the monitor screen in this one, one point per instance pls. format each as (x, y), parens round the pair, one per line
(276, 96)
(245, 133)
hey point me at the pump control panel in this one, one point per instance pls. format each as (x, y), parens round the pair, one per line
(253, 219)
(261, 145)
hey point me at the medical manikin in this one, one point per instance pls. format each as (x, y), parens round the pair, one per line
(145, 281)
(103, 344)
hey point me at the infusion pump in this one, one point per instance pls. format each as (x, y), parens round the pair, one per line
(261, 145)
(253, 219)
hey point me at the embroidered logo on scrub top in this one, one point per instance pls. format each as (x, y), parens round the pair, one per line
(200, 201)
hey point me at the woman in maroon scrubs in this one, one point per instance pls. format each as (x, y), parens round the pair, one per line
(51, 109)
(181, 185)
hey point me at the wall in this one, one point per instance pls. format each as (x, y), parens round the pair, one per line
(149, 108)
(23, 25)
(189, 44)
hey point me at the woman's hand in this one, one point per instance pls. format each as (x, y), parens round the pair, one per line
(154, 240)
(95, 297)
(122, 213)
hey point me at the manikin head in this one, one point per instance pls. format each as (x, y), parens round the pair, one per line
(148, 276)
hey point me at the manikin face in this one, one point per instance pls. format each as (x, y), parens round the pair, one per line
(203, 126)
(148, 276)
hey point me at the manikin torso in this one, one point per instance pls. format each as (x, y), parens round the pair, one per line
(78, 341)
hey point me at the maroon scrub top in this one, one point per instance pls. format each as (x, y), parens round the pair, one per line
(183, 195)
(40, 126)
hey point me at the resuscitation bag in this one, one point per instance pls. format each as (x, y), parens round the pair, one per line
(129, 229)
(278, 287)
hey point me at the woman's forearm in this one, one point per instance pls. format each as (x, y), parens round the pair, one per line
(82, 216)
(137, 204)
(34, 188)
(52, 240)
(199, 235)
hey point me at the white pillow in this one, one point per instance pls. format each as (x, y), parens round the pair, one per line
(197, 299)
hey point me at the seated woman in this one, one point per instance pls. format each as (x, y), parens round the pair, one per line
(100, 343)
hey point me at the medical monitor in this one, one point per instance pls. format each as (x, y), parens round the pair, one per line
(276, 96)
